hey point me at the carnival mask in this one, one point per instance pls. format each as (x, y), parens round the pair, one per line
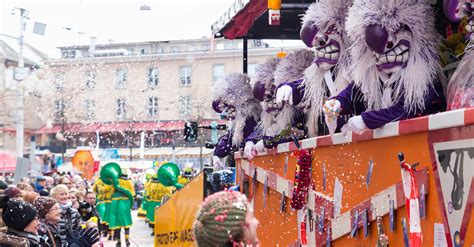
(326, 42)
(456, 10)
(391, 49)
(227, 110)
(267, 97)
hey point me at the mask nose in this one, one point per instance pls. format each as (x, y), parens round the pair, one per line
(321, 40)
(307, 34)
(216, 106)
(376, 38)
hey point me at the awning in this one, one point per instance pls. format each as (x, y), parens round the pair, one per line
(250, 18)
(7, 163)
(121, 127)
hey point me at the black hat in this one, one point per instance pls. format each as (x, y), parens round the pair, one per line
(17, 214)
(3, 185)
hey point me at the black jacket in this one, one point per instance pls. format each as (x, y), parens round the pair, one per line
(13, 238)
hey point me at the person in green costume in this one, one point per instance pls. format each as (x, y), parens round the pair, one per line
(154, 194)
(104, 194)
(120, 215)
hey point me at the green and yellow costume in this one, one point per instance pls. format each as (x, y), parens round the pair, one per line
(104, 194)
(154, 192)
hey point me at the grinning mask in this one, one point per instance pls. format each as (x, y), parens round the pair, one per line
(264, 89)
(394, 42)
(323, 29)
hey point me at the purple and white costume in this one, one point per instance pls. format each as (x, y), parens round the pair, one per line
(323, 29)
(461, 85)
(233, 98)
(394, 64)
(278, 119)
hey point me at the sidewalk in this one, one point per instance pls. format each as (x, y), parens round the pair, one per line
(140, 234)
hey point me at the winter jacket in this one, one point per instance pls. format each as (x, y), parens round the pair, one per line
(70, 221)
(13, 238)
(48, 237)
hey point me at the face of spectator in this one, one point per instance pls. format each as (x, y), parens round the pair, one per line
(54, 214)
(90, 198)
(72, 197)
(62, 197)
(32, 227)
(42, 183)
(68, 183)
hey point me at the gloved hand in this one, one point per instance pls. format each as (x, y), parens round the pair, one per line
(284, 94)
(217, 163)
(331, 110)
(82, 237)
(248, 150)
(355, 124)
(258, 148)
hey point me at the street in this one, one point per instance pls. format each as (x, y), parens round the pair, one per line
(140, 234)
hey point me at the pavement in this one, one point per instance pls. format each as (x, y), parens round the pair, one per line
(140, 234)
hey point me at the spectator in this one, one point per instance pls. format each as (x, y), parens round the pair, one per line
(73, 198)
(70, 218)
(211, 221)
(3, 185)
(30, 196)
(66, 181)
(14, 193)
(25, 186)
(49, 214)
(22, 222)
(40, 186)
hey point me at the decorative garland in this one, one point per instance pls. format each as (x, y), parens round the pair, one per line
(302, 179)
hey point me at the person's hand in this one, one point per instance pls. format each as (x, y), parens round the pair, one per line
(284, 94)
(258, 148)
(355, 124)
(248, 150)
(217, 163)
(82, 237)
(332, 108)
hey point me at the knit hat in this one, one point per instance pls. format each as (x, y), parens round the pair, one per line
(220, 219)
(43, 204)
(12, 192)
(17, 214)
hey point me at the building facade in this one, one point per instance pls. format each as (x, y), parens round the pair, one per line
(118, 91)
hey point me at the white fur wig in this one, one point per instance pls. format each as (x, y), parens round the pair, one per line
(235, 90)
(320, 14)
(420, 72)
(289, 69)
(264, 72)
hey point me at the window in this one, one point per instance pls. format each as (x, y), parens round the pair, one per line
(143, 51)
(174, 49)
(121, 111)
(90, 79)
(90, 109)
(206, 47)
(251, 69)
(59, 81)
(130, 51)
(218, 70)
(120, 78)
(185, 75)
(159, 50)
(153, 77)
(152, 106)
(184, 105)
(59, 108)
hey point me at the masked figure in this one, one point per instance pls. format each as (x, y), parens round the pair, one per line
(461, 86)
(234, 100)
(122, 200)
(154, 192)
(83, 162)
(280, 121)
(323, 30)
(394, 65)
(104, 194)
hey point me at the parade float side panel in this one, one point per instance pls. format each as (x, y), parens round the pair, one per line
(174, 219)
(349, 163)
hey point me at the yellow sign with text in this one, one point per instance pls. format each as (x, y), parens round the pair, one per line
(174, 219)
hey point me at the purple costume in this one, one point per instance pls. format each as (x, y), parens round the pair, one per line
(224, 145)
(352, 103)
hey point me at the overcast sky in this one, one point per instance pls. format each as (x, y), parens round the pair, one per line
(72, 22)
